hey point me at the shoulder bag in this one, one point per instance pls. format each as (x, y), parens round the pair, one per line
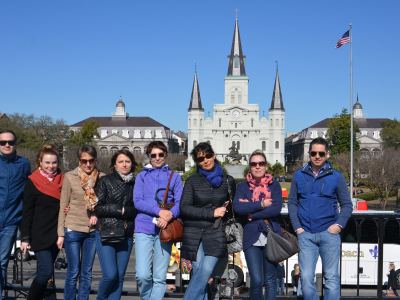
(233, 230)
(173, 233)
(280, 248)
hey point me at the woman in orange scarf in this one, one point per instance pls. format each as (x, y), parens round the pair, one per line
(40, 217)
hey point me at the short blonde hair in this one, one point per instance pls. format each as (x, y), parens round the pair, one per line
(393, 266)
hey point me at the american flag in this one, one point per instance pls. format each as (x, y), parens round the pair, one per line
(343, 40)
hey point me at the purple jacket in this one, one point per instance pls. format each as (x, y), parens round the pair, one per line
(144, 196)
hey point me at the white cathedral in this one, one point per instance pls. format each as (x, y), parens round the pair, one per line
(236, 122)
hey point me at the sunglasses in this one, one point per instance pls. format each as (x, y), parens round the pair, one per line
(208, 156)
(90, 161)
(260, 163)
(321, 153)
(3, 143)
(154, 155)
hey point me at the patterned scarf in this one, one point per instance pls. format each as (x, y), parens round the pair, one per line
(213, 177)
(50, 177)
(125, 178)
(260, 188)
(88, 182)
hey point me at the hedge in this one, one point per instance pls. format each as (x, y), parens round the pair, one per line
(366, 196)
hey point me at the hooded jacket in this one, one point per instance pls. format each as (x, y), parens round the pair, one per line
(14, 172)
(148, 182)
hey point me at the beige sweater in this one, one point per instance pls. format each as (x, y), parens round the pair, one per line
(72, 194)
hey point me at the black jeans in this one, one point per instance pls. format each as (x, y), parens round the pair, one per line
(46, 259)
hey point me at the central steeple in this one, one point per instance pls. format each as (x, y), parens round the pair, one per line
(236, 65)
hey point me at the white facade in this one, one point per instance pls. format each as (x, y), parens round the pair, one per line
(236, 120)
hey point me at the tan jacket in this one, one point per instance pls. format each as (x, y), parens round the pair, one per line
(72, 194)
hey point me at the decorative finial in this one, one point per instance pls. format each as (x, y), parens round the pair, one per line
(120, 96)
(236, 12)
(357, 97)
(195, 67)
(208, 113)
(276, 66)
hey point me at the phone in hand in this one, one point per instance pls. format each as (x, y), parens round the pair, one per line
(156, 220)
(226, 203)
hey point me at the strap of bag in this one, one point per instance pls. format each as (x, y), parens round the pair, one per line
(267, 224)
(166, 191)
(230, 198)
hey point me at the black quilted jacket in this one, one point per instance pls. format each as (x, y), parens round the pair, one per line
(198, 202)
(113, 194)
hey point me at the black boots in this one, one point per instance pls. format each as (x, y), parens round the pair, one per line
(36, 291)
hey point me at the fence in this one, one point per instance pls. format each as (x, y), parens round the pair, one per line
(380, 228)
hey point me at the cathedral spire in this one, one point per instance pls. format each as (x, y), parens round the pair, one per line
(236, 65)
(195, 100)
(277, 102)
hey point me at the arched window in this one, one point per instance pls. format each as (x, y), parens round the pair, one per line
(235, 125)
(252, 122)
(125, 148)
(194, 143)
(238, 145)
(232, 98)
(137, 150)
(236, 61)
(272, 123)
(201, 122)
(283, 123)
(240, 98)
(103, 150)
(264, 146)
(194, 122)
(220, 121)
(276, 145)
(189, 123)
(114, 149)
(277, 122)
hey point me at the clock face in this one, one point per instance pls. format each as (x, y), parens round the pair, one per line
(236, 114)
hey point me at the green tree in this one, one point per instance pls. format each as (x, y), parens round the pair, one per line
(338, 135)
(277, 168)
(193, 170)
(85, 136)
(390, 133)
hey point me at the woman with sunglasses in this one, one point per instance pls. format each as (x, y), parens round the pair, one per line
(203, 205)
(149, 193)
(116, 224)
(39, 217)
(259, 199)
(76, 229)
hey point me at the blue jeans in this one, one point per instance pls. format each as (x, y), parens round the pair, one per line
(280, 284)
(262, 273)
(80, 249)
(152, 279)
(7, 239)
(202, 270)
(326, 245)
(114, 258)
(46, 259)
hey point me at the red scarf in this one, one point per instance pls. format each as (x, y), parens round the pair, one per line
(52, 189)
(260, 189)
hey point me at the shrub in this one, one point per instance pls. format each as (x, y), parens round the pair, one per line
(246, 171)
(238, 180)
(366, 196)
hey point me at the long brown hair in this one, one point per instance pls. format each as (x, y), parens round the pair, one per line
(46, 149)
(126, 153)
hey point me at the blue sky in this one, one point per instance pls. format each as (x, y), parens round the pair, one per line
(72, 59)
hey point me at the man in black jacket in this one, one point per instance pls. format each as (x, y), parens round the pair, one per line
(280, 277)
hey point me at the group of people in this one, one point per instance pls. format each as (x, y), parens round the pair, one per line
(86, 211)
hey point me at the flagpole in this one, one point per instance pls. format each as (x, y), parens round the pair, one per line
(351, 112)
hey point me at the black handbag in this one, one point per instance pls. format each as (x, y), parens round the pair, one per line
(112, 235)
(233, 230)
(280, 248)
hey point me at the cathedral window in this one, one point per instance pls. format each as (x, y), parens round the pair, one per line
(276, 145)
(264, 146)
(236, 61)
(235, 125)
(194, 143)
(232, 98)
(252, 122)
(272, 123)
(220, 121)
(283, 124)
(238, 145)
(201, 122)
(277, 122)
(240, 98)
(189, 123)
(194, 122)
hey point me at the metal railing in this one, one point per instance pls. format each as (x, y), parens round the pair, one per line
(379, 228)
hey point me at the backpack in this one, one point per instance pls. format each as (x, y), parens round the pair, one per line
(398, 276)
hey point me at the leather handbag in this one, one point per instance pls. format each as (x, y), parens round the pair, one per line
(280, 248)
(173, 233)
(233, 230)
(112, 235)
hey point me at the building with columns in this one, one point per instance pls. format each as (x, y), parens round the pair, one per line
(236, 121)
(120, 131)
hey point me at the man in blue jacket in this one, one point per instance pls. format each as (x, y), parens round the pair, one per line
(313, 209)
(14, 171)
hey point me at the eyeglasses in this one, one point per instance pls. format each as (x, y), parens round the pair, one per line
(3, 143)
(321, 153)
(201, 159)
(260, 163)
(90, 161)
(154, 155)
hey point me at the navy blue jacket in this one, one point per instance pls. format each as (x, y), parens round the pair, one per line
(252, 229)
(14, 172)
(313, 200)
(280, 271)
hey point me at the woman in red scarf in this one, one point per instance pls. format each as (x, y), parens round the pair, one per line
(40, 217)
(259, 199)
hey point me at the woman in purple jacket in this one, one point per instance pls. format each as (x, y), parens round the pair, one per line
(259, 199)
(151, 184)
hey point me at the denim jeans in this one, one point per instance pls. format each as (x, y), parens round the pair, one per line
(326, 245)
(7, 239)
(262, 273)
(80, 249)
(152, 280)
(280, 284)
(114, 258)
(202, 270)
(45, 259)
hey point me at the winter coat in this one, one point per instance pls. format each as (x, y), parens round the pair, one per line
(392, 280)
(114, 194)
(40, 218)
(14, 172)
(253, 228)
(199, 200)
(148, 182)
(313, 200)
